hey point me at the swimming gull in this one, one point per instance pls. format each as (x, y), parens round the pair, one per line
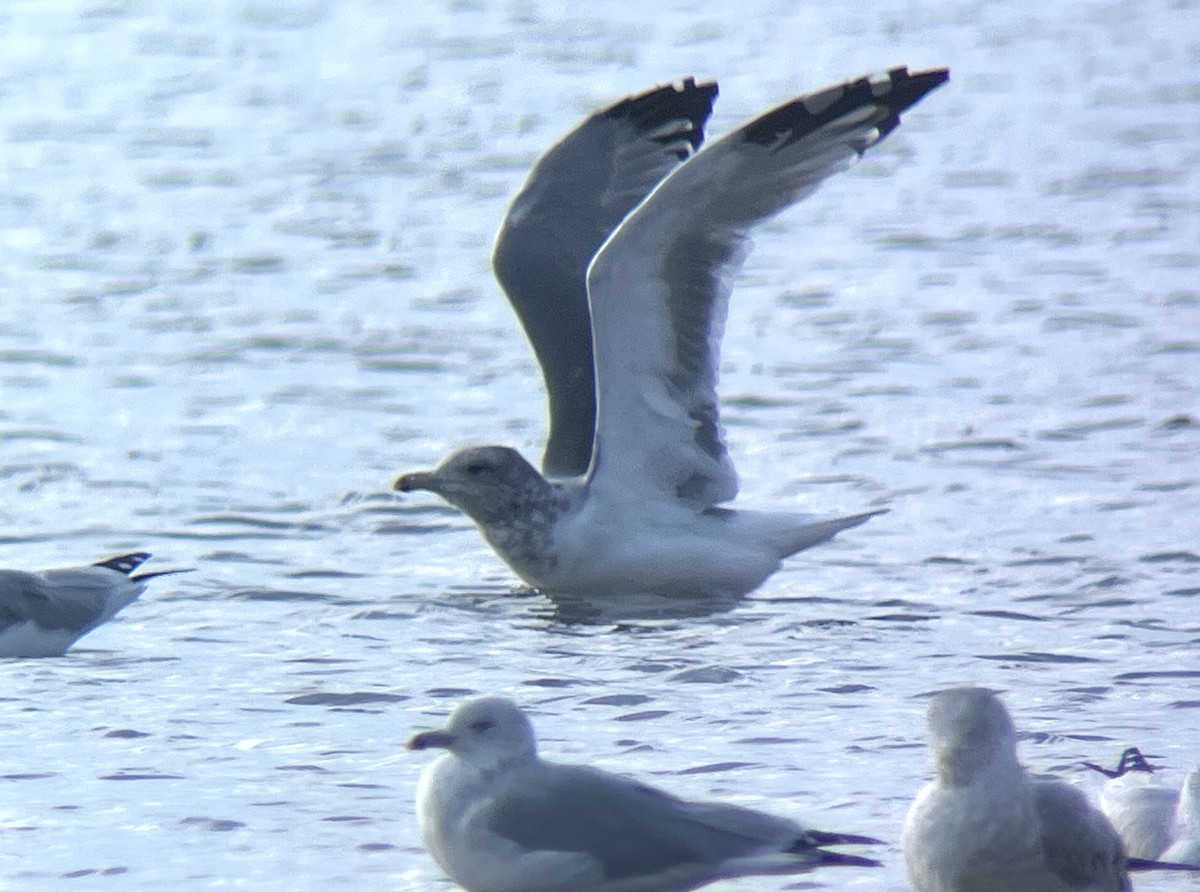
(1140, 803)
(43, 614)
(498, 818)
(983, 825)
(630, 503)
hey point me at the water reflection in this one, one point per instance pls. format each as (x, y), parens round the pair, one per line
(601, 610)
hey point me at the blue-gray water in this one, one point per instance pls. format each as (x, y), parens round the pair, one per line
(245, 281)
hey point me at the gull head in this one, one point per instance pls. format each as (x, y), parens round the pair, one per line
(488, 483)
(970, 733)
(488, 733)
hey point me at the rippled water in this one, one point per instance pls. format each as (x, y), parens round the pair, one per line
(244, 265)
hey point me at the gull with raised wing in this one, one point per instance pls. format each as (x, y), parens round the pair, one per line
(498, 818)
(43, 614)
(627, 328)
(983, 825)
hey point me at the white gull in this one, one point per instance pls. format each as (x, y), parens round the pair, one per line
(498, 818)
(629, 340)
(1186, 847)
(43, 614)
(1155, 818)
(983, 825)
(1140, 802)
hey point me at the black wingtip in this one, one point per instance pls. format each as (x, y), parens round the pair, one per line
(823, 838)
(906, 89)
(1131, 760)
(815, 839)
(683, 101)
(838, 859)
(142, 577)
(1149, 864)
(125, 563)
(891, 93)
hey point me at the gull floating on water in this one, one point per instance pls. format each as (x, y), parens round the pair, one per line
(498, 818)
(618, 256)
(983, 825)
(43, 614)
(1140, 803)
(1153, 817)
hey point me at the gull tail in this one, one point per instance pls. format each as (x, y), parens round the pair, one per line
(799, 538)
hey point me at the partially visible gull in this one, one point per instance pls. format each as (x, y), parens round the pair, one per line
(1186, 847)
(983, 825)
(1140, 803)
(1155, 818)
(498, 818)
(627, 328)
(43, 614)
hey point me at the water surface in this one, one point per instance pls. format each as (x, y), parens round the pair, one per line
(244, 262)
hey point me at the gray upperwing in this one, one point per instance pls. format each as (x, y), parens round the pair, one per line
(629, 828)
(1080, 846)
(574, 198)
(26, 597)
(660, 285)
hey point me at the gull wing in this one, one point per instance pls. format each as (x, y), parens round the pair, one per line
(659, 287)
(1080, 846)
(574, 198)
(629, 829)
(73, 602)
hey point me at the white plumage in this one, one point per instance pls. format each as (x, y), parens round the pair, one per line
(983, 825)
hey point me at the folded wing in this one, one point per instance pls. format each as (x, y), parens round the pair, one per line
(75, 601)
(626, 828)
(1079, 844)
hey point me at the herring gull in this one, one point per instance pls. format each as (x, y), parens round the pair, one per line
(497, 818)
(43, 614)
(983, 825)
(636, 467)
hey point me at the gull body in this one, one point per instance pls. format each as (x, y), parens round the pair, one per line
(498, 818)
(1140, 803)
(1154, 818)
(1185, 849)
(43, 614)
(617, 256)
(983, 825)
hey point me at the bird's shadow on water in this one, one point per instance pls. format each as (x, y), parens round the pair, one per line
(565, 611)
(594, 610)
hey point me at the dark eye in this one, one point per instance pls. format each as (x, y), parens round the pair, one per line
(476, 468)
(482, 725)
